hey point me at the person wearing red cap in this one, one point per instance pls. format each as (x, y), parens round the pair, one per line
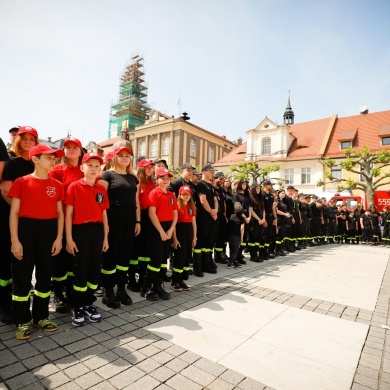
(66, 173)
(141, 251)
(86, 237)
(163, 217)
(124, 220)
(184, 238)
(15, 167)
(36, 236)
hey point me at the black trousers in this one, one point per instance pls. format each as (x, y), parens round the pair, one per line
(37, 237)
(87, 262)
(116, 260)
(206, 233)
(183, 254)
(5, 256)
(159, 251)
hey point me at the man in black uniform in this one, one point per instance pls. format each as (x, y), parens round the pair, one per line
(221, 239)
(270, 217)
(185, 179)
(290, 245)
(206, 220)
(332, 209)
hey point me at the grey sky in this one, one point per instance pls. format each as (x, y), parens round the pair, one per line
(231, 61)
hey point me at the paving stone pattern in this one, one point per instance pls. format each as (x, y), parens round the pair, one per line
(119, 354)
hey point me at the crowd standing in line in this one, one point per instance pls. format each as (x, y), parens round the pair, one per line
(121, 228)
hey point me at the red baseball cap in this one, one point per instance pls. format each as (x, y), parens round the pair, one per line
(74, 140)
(121, 149)
(163, 172)
(90, 156)
(44, 149)
(27, 129)
(185, 190)
(145, 162)
(109, 156)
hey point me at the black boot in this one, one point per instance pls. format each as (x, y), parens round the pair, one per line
(197, 260)
(59, 303)
(147, 291)
(218, 257)
(253, 253)
(240, 256)
(122, 296)
(158, 287)
(207, 263)
(109, 298)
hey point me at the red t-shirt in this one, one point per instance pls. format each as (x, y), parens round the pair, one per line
(164, 202)
(185, 214)
(38, 198)
(88, 202)
(66, 174)
(144, 192)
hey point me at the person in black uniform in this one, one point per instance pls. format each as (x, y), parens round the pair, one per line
(235, 234)
(282, 216)
(229, 208)
(332, 209)
(270, 217)
(219, 179)
(385, 221)
(359, 211)
(375, 217)
(256, 230)
(351, 227)
(185, 179)
(289, 243)
(325, 225)
(366, 226)
(242, 196)
(206, 220)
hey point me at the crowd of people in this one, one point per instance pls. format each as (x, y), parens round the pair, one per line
(93, 227)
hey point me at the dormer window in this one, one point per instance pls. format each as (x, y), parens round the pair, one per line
(384, 134)
(385, 141)
(346, 144)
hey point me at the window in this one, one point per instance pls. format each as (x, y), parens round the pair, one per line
(165, 146)
(289, 175)
(211, 154)
(192, 148)
(142, 148)
(153, 148)
(345, 144)
(266, 146)
(305, 175)
(385, 140)
(336, 172)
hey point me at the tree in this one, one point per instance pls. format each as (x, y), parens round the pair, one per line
(363, 162)
(253, 170)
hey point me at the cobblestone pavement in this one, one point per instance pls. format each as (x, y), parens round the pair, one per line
(118, 353)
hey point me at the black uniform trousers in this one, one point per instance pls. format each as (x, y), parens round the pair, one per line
(116, 260)
(183, 254)
(206, 232)
(87, 262)
(5, 257)
(221, 238)
(37, 237)
(159, 251)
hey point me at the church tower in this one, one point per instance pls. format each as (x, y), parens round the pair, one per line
(288, 116)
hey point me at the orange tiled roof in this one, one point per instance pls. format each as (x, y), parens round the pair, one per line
(369, 129)
(237, 155)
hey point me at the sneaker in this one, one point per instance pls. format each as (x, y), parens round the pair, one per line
(78, 317)
(23, 331)
(176, 287)
(47, 325)
(241, 261)
(184, 286)
(230, 265)
(237, 265)
(91, 314)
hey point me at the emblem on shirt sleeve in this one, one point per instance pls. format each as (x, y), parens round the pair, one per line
(99, 198)
(51, 191)
(171, 200)
(190, 211)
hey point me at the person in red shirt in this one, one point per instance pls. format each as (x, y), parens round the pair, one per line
(67, 172)
(86, 237)
(163, 217)
(141, 252)
(36, 236)
(184, 239)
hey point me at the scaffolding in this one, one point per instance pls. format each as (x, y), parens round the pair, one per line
(131, 109)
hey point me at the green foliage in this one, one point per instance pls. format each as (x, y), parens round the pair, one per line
(361, 162)
(252, 170)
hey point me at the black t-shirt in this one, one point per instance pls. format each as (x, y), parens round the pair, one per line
(207, 189)
(179, 182)
(366, 220)
(244, 200)
(351, 223)
(3, 151)
(268, 200)
(122, 189)
(234, 225)
(17, 167)
(220, 194)
(229, 203)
